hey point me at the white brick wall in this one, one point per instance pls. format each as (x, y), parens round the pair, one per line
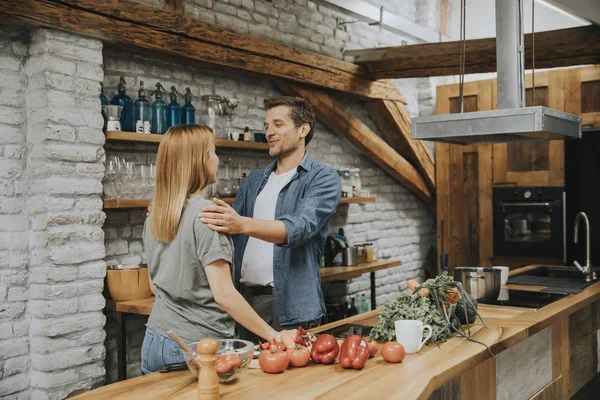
(14, 324)
(51, 243)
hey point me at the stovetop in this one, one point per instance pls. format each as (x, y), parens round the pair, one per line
(525, 298)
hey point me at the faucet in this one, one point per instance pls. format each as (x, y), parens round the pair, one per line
(587, 269)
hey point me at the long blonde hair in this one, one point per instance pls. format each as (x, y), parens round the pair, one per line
(181, 169)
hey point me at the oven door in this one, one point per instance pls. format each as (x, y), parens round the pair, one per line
(528, 229)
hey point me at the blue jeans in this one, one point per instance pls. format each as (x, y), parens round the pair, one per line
(158, 350)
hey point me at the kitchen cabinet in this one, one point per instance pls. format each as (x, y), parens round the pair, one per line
(464, 184)
(533, 163)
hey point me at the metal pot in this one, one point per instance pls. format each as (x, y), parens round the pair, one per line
(350, 256)
(483, 284)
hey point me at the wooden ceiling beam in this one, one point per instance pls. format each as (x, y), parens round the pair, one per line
(393, 120)
(139, 26)
(356, 132)
(558, 48)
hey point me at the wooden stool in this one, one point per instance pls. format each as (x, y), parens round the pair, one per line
(208, 380)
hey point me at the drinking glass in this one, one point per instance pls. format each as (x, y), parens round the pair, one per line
(111, 174)
(126, 183)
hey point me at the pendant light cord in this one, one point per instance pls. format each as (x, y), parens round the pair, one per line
(463, 43)
(533, 52)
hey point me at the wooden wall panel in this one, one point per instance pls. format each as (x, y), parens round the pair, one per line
(525, 368)
(583, 339)
(464, 185)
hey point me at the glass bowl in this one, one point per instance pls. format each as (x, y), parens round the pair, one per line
(229, 348)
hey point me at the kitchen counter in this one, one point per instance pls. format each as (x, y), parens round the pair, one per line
(419, 375)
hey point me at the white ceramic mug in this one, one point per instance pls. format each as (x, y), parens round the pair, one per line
(409, 333)
(503, 274)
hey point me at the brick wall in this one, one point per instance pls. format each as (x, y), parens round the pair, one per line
(52, 321)
(14, 324)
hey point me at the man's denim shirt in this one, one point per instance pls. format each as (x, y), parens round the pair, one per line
(305, 205)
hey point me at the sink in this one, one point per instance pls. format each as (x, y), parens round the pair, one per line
(556, 272)
(557, 278)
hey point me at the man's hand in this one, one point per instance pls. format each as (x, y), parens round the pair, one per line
(222, 218)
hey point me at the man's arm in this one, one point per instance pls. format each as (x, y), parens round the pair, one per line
(319, 203)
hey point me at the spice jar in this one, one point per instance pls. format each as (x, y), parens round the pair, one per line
(361, 253)
(369, 252)
(345, 182)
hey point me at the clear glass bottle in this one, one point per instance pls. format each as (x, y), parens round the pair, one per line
(142, 111)
(173, 109)
(212, 113)
(159, 111)
(188, 112)
(124, 101)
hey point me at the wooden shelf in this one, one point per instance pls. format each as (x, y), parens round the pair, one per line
(156, 138)
(343, 273)
(126, 203)
(143, 203)
(356, 200)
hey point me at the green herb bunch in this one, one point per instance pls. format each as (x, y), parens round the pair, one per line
(408, 306)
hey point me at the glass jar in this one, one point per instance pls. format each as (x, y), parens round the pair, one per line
(345, 182)
(355, 180)
(211, 113)
(369, 252)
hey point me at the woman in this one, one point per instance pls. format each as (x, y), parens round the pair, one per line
(189, 264)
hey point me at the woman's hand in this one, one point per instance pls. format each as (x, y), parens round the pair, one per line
(287, 338)
(223, 218)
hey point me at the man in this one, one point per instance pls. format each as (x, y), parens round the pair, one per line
(279, 220)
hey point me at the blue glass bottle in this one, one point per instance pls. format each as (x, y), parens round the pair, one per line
(142, 111)
(173, 109)
(103, 102)
(159, 111)
(188, 112)
(124, 101)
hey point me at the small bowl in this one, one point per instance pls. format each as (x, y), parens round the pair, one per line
(242, 348)
(260, 137)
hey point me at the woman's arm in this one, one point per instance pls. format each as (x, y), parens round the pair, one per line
(226, 295)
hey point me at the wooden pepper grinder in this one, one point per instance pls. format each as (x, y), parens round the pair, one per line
(208, 380)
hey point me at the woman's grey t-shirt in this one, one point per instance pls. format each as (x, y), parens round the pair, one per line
(184, 302)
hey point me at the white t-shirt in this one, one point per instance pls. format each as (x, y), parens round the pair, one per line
(257, 263)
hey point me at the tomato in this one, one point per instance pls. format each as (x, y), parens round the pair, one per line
(227, 362)
(393, 352)
(373, 348)
(299, 356)
(273, 361)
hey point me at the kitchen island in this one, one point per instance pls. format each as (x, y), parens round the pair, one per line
(543, 354)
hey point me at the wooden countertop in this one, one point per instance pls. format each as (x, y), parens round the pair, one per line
(415, 378)
(144, 306)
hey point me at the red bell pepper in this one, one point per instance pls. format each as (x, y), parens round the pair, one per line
(325, 349)
(354, 352)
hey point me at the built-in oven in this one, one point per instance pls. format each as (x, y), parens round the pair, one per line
(530, 222)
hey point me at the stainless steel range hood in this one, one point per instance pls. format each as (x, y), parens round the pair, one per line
(512, 122)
